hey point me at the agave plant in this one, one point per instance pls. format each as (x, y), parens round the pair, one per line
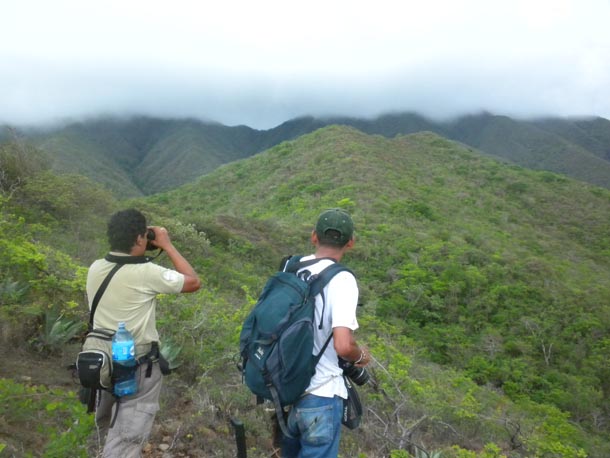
(170, 352)
(420, 453)
(12, 291)
(57, 330)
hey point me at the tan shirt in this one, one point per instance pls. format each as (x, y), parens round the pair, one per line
(131, 296)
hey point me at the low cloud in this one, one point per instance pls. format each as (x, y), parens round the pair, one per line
(260, 65)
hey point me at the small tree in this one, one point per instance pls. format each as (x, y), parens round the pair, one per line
(19, 162)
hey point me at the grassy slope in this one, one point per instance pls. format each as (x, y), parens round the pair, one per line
(390, 182)
(100, 159)
(413, 193)
(507, 251)
(406, 194)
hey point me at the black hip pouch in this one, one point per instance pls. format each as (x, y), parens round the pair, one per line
(89, 365)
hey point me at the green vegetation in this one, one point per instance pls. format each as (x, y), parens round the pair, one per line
(485, 289)
(51, 413)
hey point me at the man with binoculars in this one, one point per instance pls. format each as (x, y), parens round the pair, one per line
(130, 297)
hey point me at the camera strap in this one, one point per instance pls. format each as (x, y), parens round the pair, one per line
(121, 259)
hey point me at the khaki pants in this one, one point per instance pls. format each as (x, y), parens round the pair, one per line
(134, 419)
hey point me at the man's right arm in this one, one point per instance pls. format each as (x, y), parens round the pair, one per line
(347, 348)
(343, 295)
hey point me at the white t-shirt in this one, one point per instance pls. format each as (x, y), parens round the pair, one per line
(131, 296)
(341, 300)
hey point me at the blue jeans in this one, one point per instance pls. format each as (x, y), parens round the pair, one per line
(315, 423)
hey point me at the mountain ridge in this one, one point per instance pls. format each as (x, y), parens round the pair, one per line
(142, 155)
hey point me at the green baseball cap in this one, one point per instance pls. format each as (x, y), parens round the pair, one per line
(336, 220)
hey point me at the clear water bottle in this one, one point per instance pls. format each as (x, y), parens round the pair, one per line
(124, 360)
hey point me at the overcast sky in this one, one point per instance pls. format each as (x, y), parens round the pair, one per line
(260, 63)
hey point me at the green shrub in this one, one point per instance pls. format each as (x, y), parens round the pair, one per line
(44, 418)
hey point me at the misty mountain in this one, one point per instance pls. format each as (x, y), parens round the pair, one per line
(529, 145)
(146, 155)
(593, 134)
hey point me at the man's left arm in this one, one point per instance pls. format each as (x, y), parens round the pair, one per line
(191, 279)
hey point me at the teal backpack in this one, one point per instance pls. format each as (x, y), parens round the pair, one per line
(277, 337)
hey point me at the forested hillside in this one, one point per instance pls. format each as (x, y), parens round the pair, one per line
(485, 291)
(142, 156)
(529, 145)
(591, 134)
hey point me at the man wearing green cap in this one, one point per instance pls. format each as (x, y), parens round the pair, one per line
(315, 420)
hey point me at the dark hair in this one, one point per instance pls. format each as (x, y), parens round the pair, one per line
(331, 238)
(123, 229)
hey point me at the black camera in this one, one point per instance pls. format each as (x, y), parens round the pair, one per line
(150, 235)
(358, 375)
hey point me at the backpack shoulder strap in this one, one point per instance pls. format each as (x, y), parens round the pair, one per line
(294, 263)
(286, 260)
(316, 282)
(318, 357)
(321, 280)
